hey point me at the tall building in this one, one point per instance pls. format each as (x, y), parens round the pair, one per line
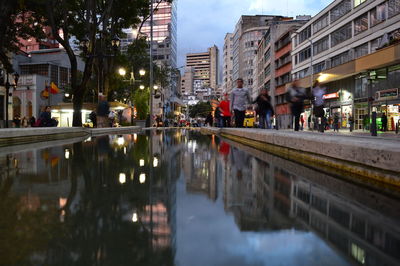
(228, 63)
(353, 48)
(164, 49)
(205, 67)
(274, 64)
(187, 81)
(249, 30)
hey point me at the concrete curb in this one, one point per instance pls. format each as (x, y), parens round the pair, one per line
(18, 136)
(377, 159)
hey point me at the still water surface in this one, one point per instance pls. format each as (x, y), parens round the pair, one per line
(182, 198)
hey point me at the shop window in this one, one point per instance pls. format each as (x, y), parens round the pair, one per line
(378, 14)
(361, 24)
(393, 8)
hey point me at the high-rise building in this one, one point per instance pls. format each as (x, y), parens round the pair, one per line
(228, 63)
(205, 67)
(353, 48)
(187, 81)
(248, 32)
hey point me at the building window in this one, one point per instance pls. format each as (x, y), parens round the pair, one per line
(393, 7)
(361, 50)
(305, 54)
(305, 34)
(340, 59)
(340, 10)
(378, 14)
(321, 23)
(375, 44)
(319, 67)
(267, 71)
(321, 45)
(267, 55)
(358, 2)
(64, 76)
(42, 69)
(361, 24)
(341, 35)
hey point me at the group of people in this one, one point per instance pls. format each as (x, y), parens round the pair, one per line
(44, 120)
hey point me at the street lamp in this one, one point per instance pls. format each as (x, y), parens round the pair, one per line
(122, 71)
(142, 72)
(155, 87)
(141, 87)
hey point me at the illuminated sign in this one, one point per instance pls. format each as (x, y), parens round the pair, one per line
(331, 95)
(387, 94)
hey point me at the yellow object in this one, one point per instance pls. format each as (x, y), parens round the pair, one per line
(249, 119)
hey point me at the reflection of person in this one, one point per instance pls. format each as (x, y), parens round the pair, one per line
(239, 99)
(103, 109)
(296, 96)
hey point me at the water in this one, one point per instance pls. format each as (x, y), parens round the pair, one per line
(198, 200)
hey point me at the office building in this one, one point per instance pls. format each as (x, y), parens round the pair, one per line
(353, 48)
(228, 63)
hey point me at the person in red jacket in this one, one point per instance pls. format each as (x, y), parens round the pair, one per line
(224, 107)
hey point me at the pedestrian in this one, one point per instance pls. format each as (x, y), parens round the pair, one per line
(366, 122)
(296, 96)
(111, 118)
(24, 122)
(103, 110)
(218, 117)
(45, 119)
(309, 122)
(17, 121)
(351, 122)
(264, 109)
(209, 120)
(384, 121)
(224, 106)
(336, 122)
(240, 98)
(302, 122)
(93, 118)
(32, 121)
(318, 102)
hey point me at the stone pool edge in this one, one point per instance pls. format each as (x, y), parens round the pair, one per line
(336, 162)
(18, 136)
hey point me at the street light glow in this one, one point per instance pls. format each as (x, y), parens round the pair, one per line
(141, 87)
(142, 178)
(134, 217)
(122, 178)
(155, 87)
(141, 162)
(121, 141)
(155, 162)
(142, 72)
(66, 155)
(122, 71)
(66, 95)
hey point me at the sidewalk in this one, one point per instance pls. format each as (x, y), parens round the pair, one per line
(359, 133)
(364, 156)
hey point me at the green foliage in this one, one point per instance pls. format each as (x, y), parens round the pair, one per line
(141, 102)
(201, 109)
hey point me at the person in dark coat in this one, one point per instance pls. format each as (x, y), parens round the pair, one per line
(384, 121)
(46, 120)
(209, 119)
(336, 122)
(93, 118)
(264, 109)
(296, 96)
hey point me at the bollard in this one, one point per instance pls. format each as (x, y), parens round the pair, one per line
(373, 125)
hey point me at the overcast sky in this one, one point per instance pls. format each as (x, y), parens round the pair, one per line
(203, 23)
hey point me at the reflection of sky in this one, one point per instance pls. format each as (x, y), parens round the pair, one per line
(207, 235)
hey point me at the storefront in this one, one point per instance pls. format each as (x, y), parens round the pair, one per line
(387, 102)
(340, 103)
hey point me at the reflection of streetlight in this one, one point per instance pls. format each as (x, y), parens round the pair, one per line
(155, 162)
(134, 217)
(141, 87)
(135, 137)
(66, 95)
(142, 178)
(142, 72)
(120, 141)
(122, 71)
(66, 154)
(122, 178)
(141, 162)
(155, 87)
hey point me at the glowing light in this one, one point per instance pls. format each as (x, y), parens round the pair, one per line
(66, 154)
(155, 162)
(155, 87)
(124, 150)
(135, 137)
(121, 141)
(141, 162)
(142, 72)
(141, 87)
(134, 217)
(122, 71)
(142, 178)
(122, 178)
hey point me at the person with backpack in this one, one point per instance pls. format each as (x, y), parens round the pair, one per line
(296, 96)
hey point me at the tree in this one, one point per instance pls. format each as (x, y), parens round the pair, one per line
(16, 22)
(92, 19)
(201, 109)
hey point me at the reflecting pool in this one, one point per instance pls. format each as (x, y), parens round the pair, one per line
(178, 197)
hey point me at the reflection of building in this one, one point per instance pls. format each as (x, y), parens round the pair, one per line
(356, 53)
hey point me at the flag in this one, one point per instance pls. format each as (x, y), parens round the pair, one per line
(53, 88)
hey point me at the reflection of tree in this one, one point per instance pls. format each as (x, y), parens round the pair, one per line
(96, 226)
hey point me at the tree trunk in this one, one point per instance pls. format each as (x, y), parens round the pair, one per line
(77, 104)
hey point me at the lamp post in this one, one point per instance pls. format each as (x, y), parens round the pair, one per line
(8, 94)
(151, 63)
